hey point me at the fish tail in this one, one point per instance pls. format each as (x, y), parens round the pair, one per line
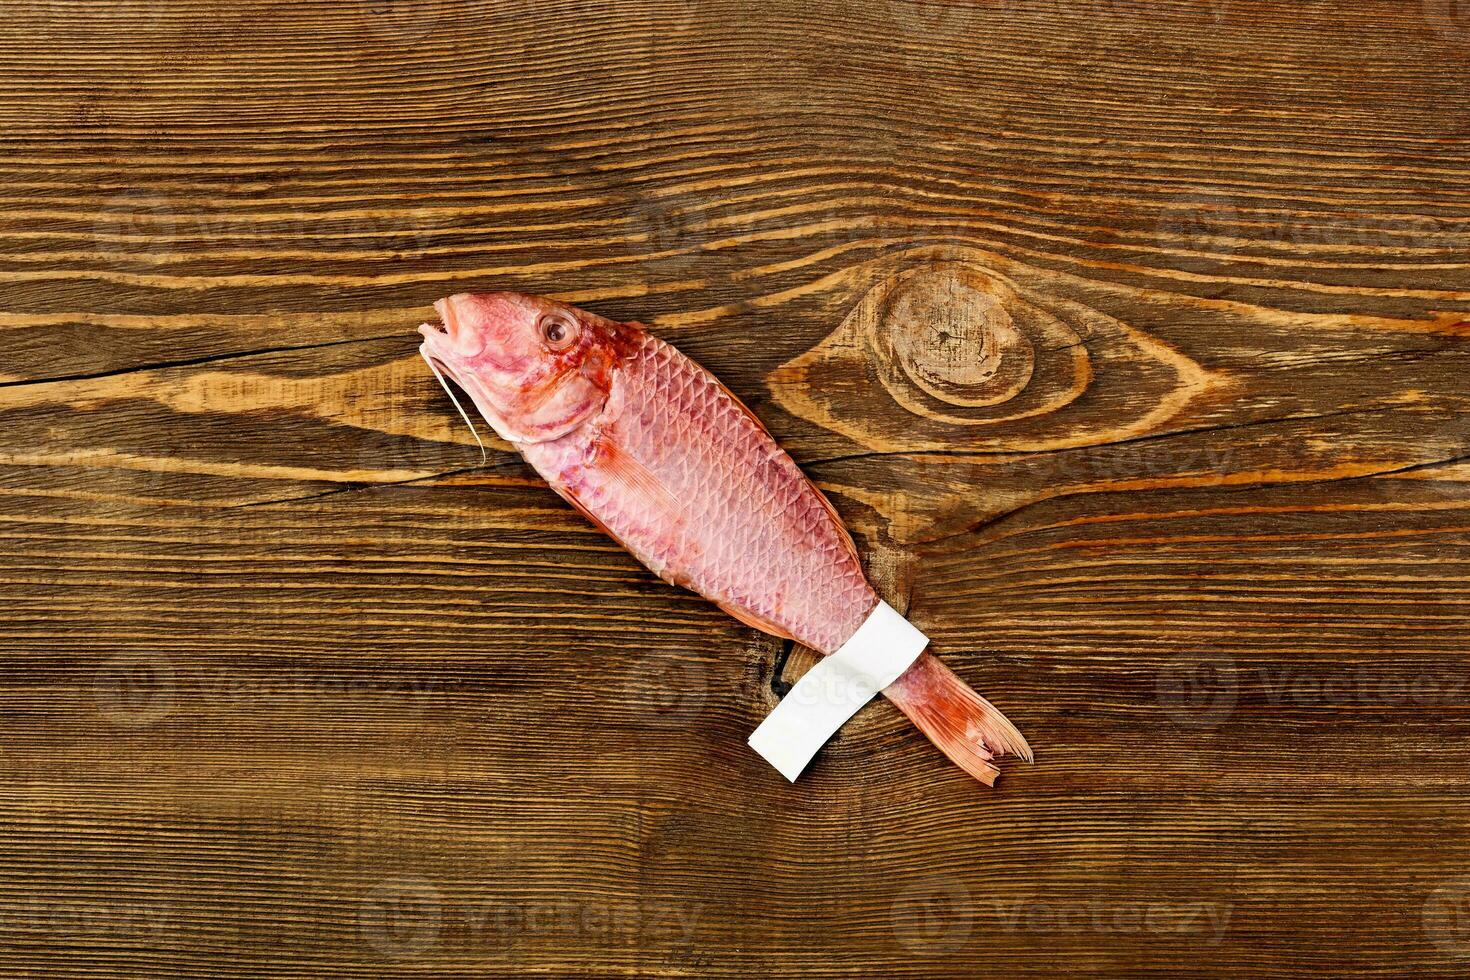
(965, 726)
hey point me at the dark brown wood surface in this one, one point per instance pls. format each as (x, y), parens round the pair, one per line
(1131, 339)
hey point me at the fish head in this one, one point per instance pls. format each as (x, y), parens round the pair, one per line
(535, 368)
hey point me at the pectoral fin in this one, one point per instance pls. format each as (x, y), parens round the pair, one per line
(619, 475)
(630, 480)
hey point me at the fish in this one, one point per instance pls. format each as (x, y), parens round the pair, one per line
(654, 450)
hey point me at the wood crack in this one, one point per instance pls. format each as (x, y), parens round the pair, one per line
(354, 488)
(1151, 437)
(197, 361)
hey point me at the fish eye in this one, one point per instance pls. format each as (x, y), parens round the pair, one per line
(558, 331)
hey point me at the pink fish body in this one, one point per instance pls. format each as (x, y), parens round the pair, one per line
(656, 451)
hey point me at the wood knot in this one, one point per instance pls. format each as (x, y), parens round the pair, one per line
(948, 333)
(969, 378)
(958, 350)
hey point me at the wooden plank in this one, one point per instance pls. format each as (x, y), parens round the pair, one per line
(1130, 339)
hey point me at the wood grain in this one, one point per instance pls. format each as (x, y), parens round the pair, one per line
(1130, 338)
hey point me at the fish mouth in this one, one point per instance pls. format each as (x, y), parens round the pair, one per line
(442, 371)
(483, 400)
(446, 322)
(448, 335)
(432, 350)
(439, 352)
(438, 365)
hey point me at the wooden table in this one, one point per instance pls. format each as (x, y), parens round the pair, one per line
(1132, 340)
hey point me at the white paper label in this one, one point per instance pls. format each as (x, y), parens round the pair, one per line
(830, 693)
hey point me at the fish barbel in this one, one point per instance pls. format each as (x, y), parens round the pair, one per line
(653, 449)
